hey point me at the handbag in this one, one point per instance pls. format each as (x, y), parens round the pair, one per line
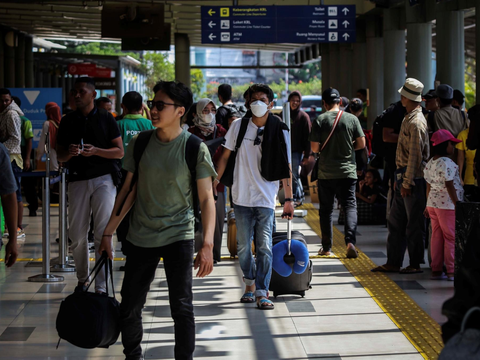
(314, 176)
(89, 320)
(465, 345)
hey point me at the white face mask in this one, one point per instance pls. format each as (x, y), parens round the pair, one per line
(207, 118)
(259, 108)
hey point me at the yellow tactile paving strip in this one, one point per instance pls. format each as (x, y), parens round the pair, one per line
(418, 327)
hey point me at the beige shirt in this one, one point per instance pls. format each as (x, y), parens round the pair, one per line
(451, 119)
(413, 148)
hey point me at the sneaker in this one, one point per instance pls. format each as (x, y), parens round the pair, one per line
(438, 275)
(32, 213)
(5, 234)
(20, 233)
(81, 287)
(450, 277)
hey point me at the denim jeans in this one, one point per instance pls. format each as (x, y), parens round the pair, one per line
(140, 268)
(261, 219)
(344, 189)
(298, 194)
(406, 226)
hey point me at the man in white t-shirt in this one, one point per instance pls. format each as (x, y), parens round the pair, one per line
(262, 159)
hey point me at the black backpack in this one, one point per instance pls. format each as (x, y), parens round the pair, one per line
(191, 154)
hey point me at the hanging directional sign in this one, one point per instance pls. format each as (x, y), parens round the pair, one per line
(278, 24)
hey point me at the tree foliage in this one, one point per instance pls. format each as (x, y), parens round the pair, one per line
(157, 67)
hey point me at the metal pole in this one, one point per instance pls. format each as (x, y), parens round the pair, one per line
(62, 265)
(45, 276)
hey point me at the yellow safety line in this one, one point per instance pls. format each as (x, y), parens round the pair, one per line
(418, 327)
(40, 259)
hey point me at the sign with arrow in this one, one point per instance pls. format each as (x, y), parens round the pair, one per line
(278, 24)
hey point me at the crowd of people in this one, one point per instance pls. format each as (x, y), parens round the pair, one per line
(157, 176)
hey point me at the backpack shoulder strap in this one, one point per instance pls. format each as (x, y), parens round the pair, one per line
(242, 132)
(138, 150)
(191, 155)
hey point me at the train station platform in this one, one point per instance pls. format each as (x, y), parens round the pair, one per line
(349, 313)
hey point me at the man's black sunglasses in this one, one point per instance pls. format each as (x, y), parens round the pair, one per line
(160, 105)
(257, 140)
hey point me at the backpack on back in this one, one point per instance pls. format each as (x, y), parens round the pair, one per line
(378, 145)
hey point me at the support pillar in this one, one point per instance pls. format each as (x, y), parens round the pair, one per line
(359, 75)
(394, 55)
(346, 65)
(20, 62)
(451, 49)
(10, 59)
(477, 47)
(182, 58)
(419, 45)
(119, 88)
(375, 67)
(29, 77)
(334, 70)
(325, 63)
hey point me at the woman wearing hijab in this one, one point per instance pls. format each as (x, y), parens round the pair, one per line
(205, 128)
(54, 116)
(300, 126)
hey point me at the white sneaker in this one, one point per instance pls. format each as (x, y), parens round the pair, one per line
(5, 234)
(20, 233)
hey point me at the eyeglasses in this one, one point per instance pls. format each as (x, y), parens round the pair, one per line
(257, 140)
(160, 105)
(206, 112)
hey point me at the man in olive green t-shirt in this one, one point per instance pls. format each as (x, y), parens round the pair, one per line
(337, 171)
(162, 221)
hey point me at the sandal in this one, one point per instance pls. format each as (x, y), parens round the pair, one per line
(264, 304)
(352, 253)
(248, 297)
(322, 252)
(411, 270)
(385, 268)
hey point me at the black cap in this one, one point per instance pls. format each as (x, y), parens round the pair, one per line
(458, 95)
(431, 94)
(85, 79)
(330, 94)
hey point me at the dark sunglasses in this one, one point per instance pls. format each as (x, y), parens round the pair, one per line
(257, 140)
(160, 105)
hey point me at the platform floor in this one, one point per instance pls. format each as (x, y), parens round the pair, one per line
(337, 319)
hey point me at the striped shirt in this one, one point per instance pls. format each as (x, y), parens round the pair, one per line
(413, 148)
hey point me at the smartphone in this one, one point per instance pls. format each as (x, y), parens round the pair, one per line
(81, 145)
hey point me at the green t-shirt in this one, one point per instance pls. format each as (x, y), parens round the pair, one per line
(131, 125)
(27, 132)
(337, 160)
(163, 212)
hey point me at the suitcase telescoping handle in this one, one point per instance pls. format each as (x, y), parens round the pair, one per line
(289, 232)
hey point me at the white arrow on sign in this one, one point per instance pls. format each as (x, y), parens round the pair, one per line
(31, 95)
(211, 37)
(211, 24)
(345, 23)
(345, 36)
(345, 10)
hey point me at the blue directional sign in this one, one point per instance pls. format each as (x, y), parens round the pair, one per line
(278, 24)
(33, 106)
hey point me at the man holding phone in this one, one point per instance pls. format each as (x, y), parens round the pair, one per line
(89, 140)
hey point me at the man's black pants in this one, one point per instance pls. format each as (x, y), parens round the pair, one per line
(140, 269)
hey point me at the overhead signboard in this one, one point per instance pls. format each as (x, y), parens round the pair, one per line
(33, 106)
(278, 24)
(88, 69)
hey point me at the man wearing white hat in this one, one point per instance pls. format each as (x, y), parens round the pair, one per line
(406, 223)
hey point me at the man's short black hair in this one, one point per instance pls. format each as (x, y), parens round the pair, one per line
(458, 95)
(362, 91)
(17, 100)
(225, 91)
(133, 101)
(5, 91)
(87, 80)
(440, 149)
(259, 88)
(177, 91)
(102, 99)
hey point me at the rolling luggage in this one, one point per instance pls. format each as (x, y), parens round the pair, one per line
(232, 235)
(295, 283)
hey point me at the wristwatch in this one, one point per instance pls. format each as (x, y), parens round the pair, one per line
(289, 199)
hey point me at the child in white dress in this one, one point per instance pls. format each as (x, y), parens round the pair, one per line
(444, 190)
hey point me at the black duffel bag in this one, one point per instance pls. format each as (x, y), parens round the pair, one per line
(89, 320)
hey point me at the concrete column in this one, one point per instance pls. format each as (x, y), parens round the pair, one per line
(477, 47)
(359, 73)
(39, 77)
(345, 74)
(451, 49)
(29, 77)
(119, 86)
(2, 60)
(20, 62)
(9, 64)
(325, 63)
(334, 70)
(375, 67)
(394, 55)
(182, 58)
(419, 45)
